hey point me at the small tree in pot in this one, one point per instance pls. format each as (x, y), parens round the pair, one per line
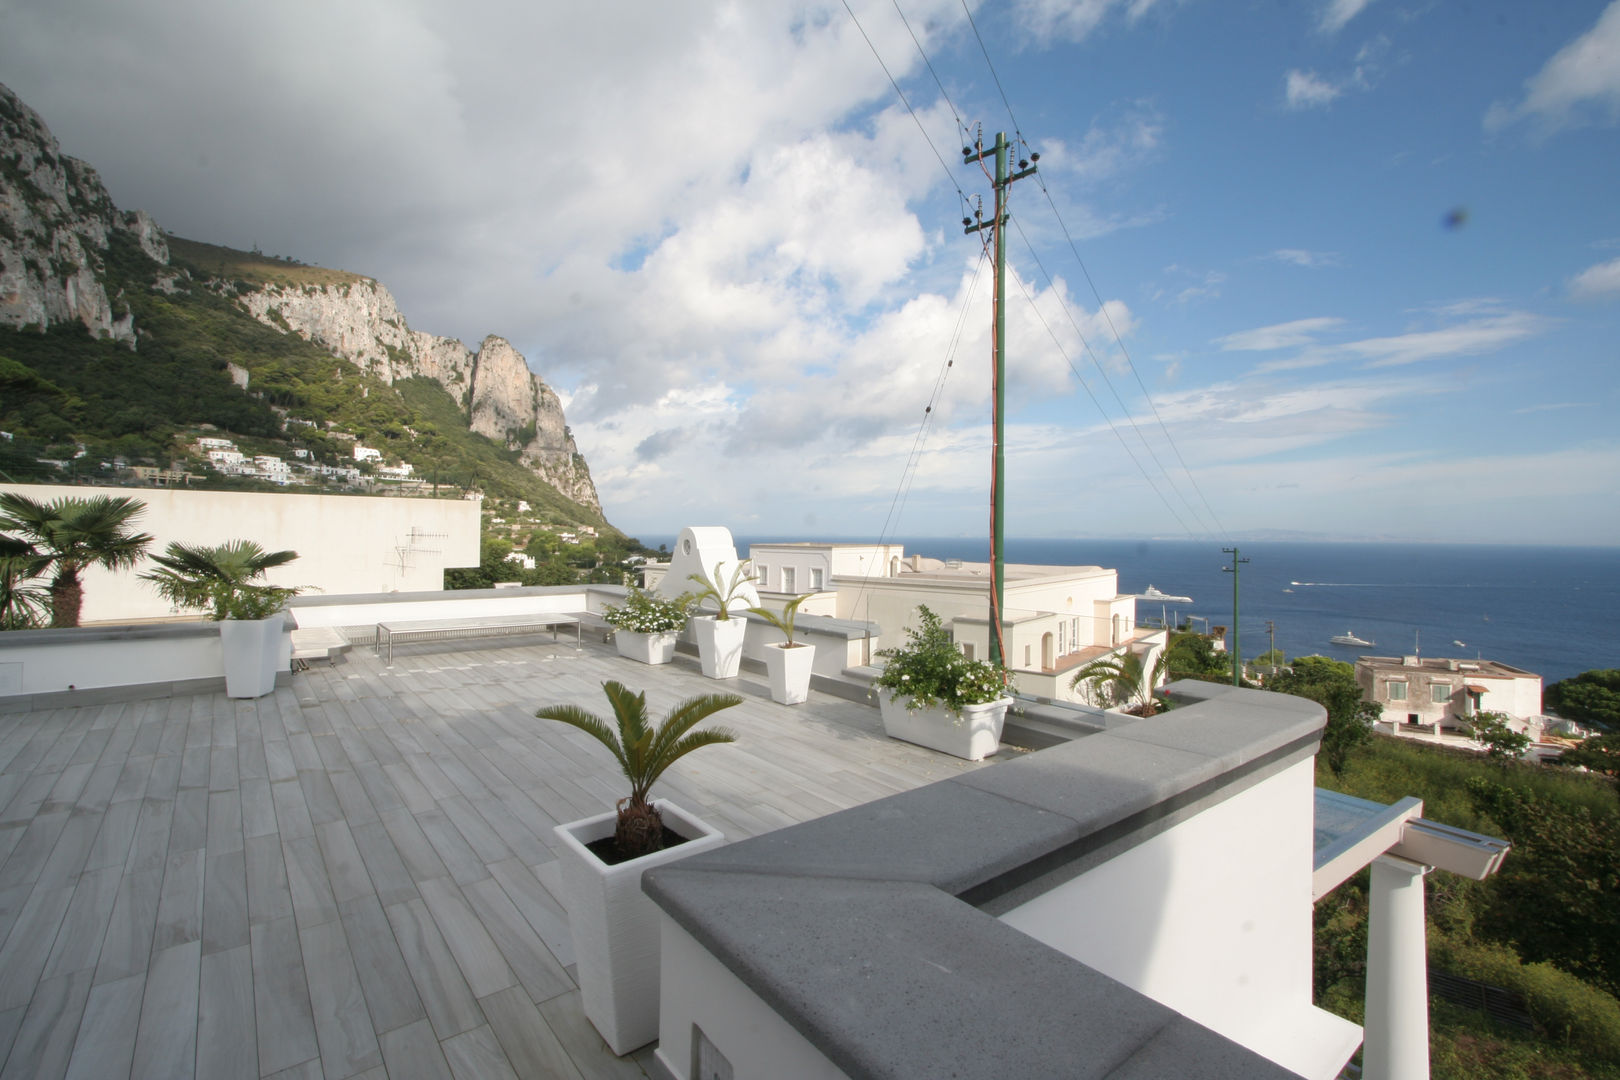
(601, 858)
(223, 581)
(720, 635)
(788, 663)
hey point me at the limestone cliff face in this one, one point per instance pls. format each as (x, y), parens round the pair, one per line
(505, 401)
(55, 220)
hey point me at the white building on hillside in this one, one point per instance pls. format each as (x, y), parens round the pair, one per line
(1430, 691)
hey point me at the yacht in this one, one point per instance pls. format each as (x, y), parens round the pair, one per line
(1348, 638)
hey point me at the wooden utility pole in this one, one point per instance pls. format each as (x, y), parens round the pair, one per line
(998, 476)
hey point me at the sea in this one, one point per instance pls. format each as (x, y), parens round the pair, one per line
(1554, 611)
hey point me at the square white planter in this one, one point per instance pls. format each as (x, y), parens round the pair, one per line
(974, 736)
(648, 648)
(615, 925)
(789, 671)
(252, 649)
(720, 644)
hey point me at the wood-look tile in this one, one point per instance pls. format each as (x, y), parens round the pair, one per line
(539, 972)
(33, 848)
(106, 1042)
(71, 849)
(194, 767)
(179, 915)
(306, 878)
(584, 1045)
(269, 897)
(227, 1036)
(149, 849)
(438, 980)
(342, 1022)
(225, 902)
(111, 847)
(166, 1042)
(292, 815)
(384, 977)
(412, 1053)
(128, 944)
(530, 1044)
(319, 797)
(28, 946)
(43, 1045)
(389, 875)
(477, 1055)
(415, 849)
(475, 951)
(258, 808)
(457, 854)
(281, 1009)
(78, 942)
(345, 869)
(224, 822)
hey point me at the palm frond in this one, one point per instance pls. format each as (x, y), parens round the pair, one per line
(588, 722)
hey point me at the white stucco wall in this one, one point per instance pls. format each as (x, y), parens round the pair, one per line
(1213, 918)
(52, 661)
(345, 544)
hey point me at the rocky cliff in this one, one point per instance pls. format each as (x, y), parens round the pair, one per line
(55, 218)
(505, 401)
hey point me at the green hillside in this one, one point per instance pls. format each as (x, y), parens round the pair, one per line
(63, 390)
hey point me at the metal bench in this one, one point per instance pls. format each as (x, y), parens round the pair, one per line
(317, 643)
(471, 626)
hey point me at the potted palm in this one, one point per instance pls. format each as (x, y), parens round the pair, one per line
(222, 581)
(720, 635)
(602, 858)
(646, 627)
(940, 699)
(787, 663)
(1124, 681)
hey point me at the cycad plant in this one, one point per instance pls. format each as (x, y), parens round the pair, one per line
(709, 587)
(644, 750)
(1124, 680)
(784, 621)
(222, 580)
(68, 535)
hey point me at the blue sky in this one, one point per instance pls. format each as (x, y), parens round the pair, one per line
(1363, 254)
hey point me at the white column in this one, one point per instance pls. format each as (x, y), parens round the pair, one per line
(1395, 1045)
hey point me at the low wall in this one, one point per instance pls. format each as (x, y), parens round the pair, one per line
(359, 614)
(88, 665)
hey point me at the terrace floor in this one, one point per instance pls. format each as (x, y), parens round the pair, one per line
(354, 876)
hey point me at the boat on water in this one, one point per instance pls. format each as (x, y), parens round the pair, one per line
(1349, 638)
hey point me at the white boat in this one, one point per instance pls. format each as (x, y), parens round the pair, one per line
(1348, 638)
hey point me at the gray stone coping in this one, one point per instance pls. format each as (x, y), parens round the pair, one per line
(873, 930)
(133, 632)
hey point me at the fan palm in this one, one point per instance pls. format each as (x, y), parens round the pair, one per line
(71, 534)
(221, 579)
(1125, 679)
(644, 750)
(23, 604)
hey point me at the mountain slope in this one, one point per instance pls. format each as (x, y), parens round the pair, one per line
(116, 339)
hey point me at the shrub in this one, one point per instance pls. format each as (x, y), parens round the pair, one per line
(930, 671)
(646, 613)
(1565, 1009)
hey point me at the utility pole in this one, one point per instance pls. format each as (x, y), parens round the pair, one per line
(1271, 633)
(1237, 649)
(998, 477)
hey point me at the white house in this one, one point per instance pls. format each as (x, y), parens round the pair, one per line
(366, 453)
(1433, 691)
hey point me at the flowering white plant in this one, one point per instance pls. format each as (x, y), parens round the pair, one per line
(644, 613)
(928, 670)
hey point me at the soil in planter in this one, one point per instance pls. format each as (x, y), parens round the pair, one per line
(607, 848)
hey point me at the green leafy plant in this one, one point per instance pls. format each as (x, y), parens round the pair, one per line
(1125, 679)
(66, 535)
(644, 750)
(784, 621)
(709, 588)
(1501, 742)
(646, 613)
(222, 580)
(929, 671)
(24, 604)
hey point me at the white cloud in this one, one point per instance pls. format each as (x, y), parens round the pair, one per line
(1307, 90)
(1586, 72)
(1288, 335)
(1340, 12)
(1597, 282)
(1072, 20)
(1309, 259)
(1471, 338)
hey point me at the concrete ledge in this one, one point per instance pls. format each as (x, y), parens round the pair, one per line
(873, 932)
(112, 695)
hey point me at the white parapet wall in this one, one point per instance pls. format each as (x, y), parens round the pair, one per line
(345, 543)
(40, 668)
(367, 610)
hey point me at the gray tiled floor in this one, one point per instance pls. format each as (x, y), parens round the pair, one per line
(352, 876)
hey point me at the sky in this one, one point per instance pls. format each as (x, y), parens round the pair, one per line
(1348, 268)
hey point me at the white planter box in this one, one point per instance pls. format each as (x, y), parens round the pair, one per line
(648, 648)
(789, 671)
(615, 924)
(720, 644)
(252, 649)
(975, 735)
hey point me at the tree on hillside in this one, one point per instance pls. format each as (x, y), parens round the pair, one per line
(1332, 684)
(1193, 656)
(1600, 753)
(71, 534)
(1500, 741)
(1592, 697)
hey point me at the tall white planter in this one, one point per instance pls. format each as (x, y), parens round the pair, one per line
(789, 671)
(720, 644)
(974, 736)
(615, 924)
(648, 648)
(252, 649)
